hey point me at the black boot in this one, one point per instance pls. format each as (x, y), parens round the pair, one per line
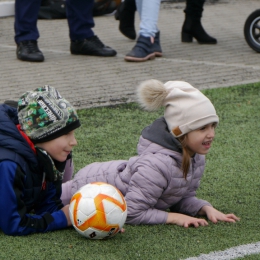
(126, 16)
(142, 51)
(156, 47)
(192, 26)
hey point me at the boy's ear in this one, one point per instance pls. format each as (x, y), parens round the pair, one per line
(11, 103)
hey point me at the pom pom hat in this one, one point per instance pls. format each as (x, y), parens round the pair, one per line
(45, 115)
(186, 108)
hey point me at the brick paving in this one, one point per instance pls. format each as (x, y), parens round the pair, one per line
(96, 81)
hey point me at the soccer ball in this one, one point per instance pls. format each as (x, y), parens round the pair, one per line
(98, 210)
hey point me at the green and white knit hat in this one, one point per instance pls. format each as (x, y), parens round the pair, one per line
(45, 115)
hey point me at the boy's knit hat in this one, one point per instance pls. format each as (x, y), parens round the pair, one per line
(186, 108)
(45, 115)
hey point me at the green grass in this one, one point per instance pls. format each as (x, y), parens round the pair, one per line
(231, 183)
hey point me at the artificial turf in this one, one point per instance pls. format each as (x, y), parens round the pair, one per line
(231, 183)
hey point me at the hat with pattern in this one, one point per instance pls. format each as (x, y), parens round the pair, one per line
(186, 108)
(45, 115)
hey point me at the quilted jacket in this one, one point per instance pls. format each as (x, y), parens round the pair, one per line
(152, 181)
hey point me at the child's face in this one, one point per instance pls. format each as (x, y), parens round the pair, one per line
(199, 140)
(61, 147)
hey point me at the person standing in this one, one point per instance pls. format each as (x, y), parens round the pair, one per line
(80, 22)
(191, 27)
(147, 46)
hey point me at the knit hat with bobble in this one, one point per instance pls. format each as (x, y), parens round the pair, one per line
(186, 108)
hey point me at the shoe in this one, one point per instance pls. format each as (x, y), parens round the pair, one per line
(91, 46)
(156, 47)
(142, 51)
(126, 15)
(29, 51)
(192, 28)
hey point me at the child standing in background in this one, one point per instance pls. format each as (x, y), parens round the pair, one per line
(36, 141)
(170, 163)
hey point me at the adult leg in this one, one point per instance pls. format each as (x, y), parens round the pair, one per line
(26, 32)
(81, 22)
(192, 26)
(148, 42)
(126, 16)
(80, 19)
(149, 13)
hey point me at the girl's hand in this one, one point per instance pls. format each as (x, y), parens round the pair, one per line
(215, 215)
(185, 221)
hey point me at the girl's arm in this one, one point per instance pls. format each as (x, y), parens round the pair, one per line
(145, 190)
(214, 215)
(185, 221)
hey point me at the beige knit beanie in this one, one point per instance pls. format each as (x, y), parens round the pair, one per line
(186, 108)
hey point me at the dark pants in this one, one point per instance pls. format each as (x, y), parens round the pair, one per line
(79, 15)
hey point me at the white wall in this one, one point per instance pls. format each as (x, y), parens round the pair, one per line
(6, 8)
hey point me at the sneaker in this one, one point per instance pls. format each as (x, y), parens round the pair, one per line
(29, 51)
(91, 46)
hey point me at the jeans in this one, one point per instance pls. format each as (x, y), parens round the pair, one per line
(149, 12)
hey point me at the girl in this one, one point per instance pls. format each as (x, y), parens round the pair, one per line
(170, 162)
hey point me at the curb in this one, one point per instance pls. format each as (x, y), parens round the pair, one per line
(6, 9)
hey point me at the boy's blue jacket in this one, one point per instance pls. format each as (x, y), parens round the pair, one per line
(29, 203)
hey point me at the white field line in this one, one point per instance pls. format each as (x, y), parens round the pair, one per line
(231, 253)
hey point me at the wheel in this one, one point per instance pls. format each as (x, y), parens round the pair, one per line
(252, 30)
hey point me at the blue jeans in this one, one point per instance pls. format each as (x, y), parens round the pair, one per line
(149, 12)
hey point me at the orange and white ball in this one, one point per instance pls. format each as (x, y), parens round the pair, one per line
(98, 210)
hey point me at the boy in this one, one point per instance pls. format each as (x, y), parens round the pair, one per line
(36, 142)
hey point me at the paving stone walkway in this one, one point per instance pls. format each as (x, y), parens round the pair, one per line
(96, 81)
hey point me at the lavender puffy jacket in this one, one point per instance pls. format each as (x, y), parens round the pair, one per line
(152, 181)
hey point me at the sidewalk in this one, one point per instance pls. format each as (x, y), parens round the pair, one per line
(96, 81)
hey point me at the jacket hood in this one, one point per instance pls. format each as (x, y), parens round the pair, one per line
(158, 133)
(10, 137)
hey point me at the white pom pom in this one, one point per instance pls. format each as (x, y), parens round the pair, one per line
(151, 94)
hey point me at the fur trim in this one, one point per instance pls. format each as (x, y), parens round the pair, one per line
(151, 94)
